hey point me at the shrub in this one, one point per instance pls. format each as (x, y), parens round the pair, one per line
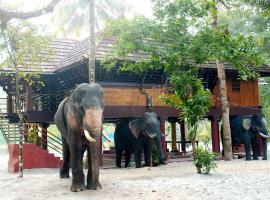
(31, 139)
(204, 160)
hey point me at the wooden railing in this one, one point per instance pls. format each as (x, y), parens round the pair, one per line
(33, 134)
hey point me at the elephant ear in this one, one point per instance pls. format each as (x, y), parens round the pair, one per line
(135, 127)
(246, 123)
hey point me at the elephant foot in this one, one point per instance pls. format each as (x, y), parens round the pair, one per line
(64, 173)
(248, 158)
(146, 165)
(127, 165)
(255, 158)
(77, 187)
(94, 186)
(163, 163)
(264, 158)
(64, 176)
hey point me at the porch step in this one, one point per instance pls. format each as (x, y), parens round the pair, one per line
(33, 157)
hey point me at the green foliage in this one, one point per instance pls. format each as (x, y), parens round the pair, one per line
(204, 160)
(215, 44)
(180, 40)
(32, 137)
(204, 136)
(245, 19)
(264, 94)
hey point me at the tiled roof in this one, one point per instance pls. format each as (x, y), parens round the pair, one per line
(59, 49)
(66, 52)
(103, 49)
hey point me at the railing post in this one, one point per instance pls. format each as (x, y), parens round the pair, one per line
(44, 138)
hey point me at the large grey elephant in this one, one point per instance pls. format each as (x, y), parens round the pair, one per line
(246, 129)
(79, 119)
(133, 135)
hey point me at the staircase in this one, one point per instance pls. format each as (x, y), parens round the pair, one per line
(8, 130)
(35, 137)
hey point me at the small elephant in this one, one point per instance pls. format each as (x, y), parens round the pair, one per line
(245, 130)
(132, 135)
(79, 119)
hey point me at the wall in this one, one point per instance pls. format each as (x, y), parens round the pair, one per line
(248, 95)
(131, 96)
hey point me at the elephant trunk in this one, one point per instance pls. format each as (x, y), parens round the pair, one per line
(157, 141)
(92, 123)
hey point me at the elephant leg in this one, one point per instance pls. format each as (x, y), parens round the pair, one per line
(64, 170)
(138, 154)
(147, 147)
(89, 179)
(264, 148)
(247, 146)
(118, 157)
(127, 158)
(76, 162)
(93, 165)
(254, 143)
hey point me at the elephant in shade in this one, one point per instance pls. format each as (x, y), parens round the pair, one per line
(246, 129)
(79, 119)
(133, 135)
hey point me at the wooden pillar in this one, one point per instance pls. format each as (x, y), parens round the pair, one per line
(44, 138)
(9, 100)
(183, 136)
(215, 134)
(163, 137)
(173, 136)
(29, 98)
(26, 132)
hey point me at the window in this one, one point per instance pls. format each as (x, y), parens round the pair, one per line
(235, 86)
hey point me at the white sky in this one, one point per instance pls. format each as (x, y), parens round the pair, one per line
(142, 7)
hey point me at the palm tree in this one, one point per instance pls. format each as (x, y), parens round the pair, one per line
(72, 15)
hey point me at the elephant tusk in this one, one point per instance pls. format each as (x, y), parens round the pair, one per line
(88, 137)
(264, 136)
(151, 135)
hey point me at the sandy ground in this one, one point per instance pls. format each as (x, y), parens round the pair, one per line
(237, 179)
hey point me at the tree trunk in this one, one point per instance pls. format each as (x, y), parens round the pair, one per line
(223, 96)
(19, 112)
(92, 51)
(227, 141)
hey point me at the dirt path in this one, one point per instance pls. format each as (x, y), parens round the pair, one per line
(235, 180)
